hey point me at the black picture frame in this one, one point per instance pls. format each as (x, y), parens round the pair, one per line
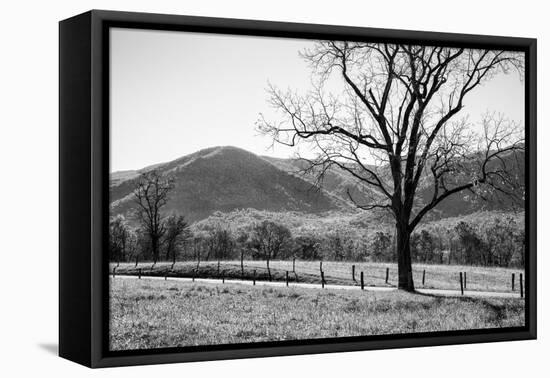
(84, 177)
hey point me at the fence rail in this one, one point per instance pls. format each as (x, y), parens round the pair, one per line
(371, 274)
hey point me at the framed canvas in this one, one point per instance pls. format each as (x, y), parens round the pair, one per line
(236, 188)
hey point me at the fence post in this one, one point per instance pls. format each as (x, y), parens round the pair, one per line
(321, 266)
(139, 273)
(322, 279)
(362, 282)
(465, 282)
(461, 285)
(194, 273)
(387, 274)
(353, 273)
(521, 285)
(114, 270)
(423, 277)
(294, 265)
(287, 278)
(513, 280)
(254, 278)
(137, 260)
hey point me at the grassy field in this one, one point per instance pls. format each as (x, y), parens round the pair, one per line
(437, 276)
(157, 313)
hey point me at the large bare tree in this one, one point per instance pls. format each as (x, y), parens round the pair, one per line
(151, 195)
(387, 114)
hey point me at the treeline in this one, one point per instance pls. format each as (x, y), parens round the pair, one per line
(498, 241)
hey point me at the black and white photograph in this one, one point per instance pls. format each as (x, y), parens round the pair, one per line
(273, 189)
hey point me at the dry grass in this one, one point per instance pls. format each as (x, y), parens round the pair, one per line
(154, 313)
(437, 276)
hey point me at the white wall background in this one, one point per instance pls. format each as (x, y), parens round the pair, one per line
(29, 189)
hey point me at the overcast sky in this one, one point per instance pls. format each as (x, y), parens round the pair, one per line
(173, 93)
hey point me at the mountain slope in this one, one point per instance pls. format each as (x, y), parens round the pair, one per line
(335, 181)
(228, 178)
(339, 182)
(225, 179)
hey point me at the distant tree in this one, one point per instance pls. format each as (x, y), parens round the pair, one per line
(225, 244)
(198, 244)
(151, 195)
(423, 246)
(219, 242)
(504, 241)
(131, 244)
(306, 248)
(270, 238)
(362, 248)
(473, 248)
(119, 235)
(243, 246)
(209, 245)
(336, 246)
(395, 129)
(143, 246)
(520, 239)
(382, 248)
(340, 246)
(176, 235)
(441, 241)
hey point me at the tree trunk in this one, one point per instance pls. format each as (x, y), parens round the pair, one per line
(198, 257)
(123, 251)
(155, 248)
(404, 266)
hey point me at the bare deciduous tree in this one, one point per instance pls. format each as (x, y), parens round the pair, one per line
(270, 238)
(119, 235)
(151, 195)
(392, 124)
(242, 242)
(198, 245)
(177, 234)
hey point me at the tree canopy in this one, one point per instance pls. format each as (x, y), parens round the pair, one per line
(395, 126)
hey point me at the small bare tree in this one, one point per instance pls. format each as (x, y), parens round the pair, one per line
(270, 238)
(198, 245)
(151, 195)
(119, 235)
(242, 242)
(393, 127)
(177, 234)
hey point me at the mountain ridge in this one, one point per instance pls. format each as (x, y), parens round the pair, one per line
(223, 179)
(227, 178)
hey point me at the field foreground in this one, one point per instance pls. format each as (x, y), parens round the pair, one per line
(155, 314)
